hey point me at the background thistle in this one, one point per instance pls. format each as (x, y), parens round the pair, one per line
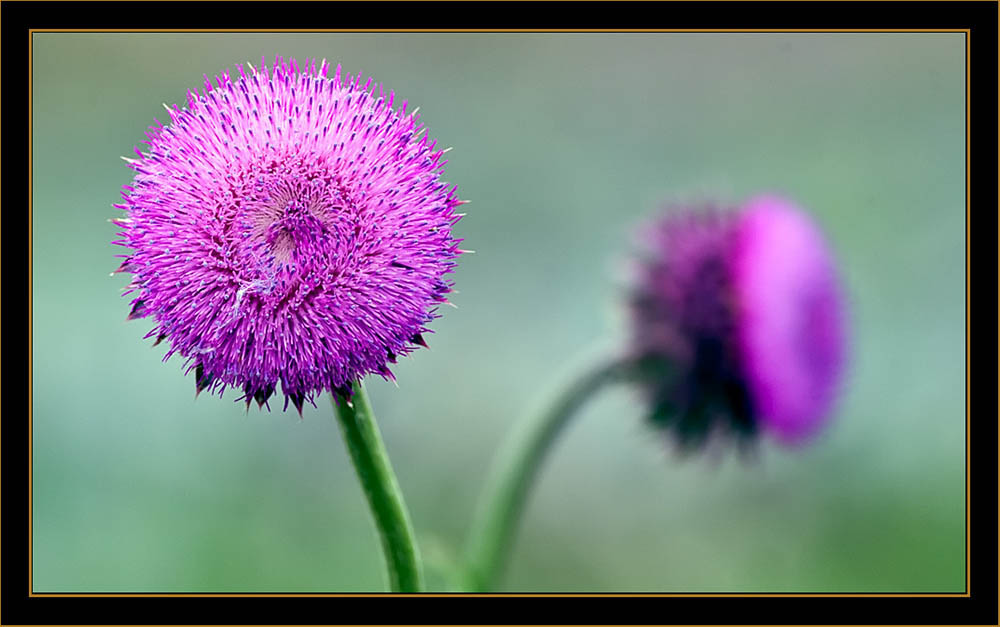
(738, 318)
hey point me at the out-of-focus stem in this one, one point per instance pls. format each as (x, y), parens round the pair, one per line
(517, 464)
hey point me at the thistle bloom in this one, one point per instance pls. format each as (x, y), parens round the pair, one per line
(288, 227)
(739, 318)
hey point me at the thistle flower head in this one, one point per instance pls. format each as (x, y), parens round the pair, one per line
(288, 227)
(738, 320)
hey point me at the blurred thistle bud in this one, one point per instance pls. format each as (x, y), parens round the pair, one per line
(738, 323)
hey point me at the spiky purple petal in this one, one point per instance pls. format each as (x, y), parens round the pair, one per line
(792, 334)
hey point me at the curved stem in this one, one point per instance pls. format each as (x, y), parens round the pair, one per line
(516, 465)
(357, 423)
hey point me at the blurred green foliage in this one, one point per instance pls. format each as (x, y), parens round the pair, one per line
(564, 143)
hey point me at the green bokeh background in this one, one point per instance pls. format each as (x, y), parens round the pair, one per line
(564, 143)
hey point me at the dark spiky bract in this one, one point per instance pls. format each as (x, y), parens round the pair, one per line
(288, 228)
(738, 323)
(683, 328)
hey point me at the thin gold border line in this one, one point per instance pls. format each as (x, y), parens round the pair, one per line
(968, 271)
(31, 335)
(525, 1)
(498, 30)
(993, 1)
(499, 594)
(31, 593)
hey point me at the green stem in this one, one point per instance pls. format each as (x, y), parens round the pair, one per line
(516, 465)
(357, 423)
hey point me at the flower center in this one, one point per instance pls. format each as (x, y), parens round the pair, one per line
(296, 232)
(291, 223)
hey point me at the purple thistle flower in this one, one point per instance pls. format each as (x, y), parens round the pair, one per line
(288, 227)
(738, 320)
